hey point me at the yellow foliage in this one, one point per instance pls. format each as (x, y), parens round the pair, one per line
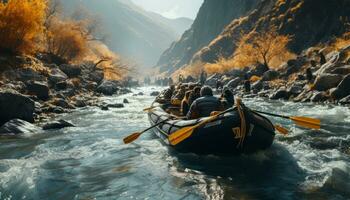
(66, 39)
(268, 48)
(193, 70)
(254, 79)
(21, 25)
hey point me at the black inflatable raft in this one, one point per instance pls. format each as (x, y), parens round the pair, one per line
(219, 137)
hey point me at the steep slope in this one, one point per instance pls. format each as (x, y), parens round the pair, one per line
(308, 21)
(132, 32)
(213, 16)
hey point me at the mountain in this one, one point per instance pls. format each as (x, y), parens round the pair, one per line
(218, 27)
(134, 33)
(309, 22)
(212, 18)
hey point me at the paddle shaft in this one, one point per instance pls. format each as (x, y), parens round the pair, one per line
(275, 115)
(157, 124)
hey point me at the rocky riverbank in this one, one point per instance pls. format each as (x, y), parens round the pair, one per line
(314, 76)
(32, 91)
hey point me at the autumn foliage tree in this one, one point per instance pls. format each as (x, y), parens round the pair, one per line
(21, 25)
(268, 48)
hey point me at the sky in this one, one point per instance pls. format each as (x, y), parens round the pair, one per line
(172, 8)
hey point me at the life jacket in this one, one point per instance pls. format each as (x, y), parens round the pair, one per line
(203, 106)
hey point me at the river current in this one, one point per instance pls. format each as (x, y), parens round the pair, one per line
(90, 161)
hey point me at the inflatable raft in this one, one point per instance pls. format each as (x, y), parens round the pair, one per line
(222, 136)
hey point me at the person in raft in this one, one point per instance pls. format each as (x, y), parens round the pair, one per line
(205, 105)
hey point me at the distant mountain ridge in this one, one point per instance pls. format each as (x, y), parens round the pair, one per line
(212, 18)
(134, 33)
(308, 21)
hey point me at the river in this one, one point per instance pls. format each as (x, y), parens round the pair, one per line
(90, 161)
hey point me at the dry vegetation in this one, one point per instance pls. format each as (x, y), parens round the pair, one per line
(268, 48)
(21, 25)
(31, 26)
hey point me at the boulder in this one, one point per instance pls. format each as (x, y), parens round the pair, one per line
(79, 103)
(96, 76)
(28, 74)
(270, 75)
(257, 86)
(39, 89)
(345, 100)
(116, 105)
(14, 105)
(63, 104)
(336, 93)
(124, 91)
(56, 75)
(295, 89)
(280, 94)
(126, 101)
(57, 125)
(108, 87)
(70, 70)
(18, 126)
(234, 82)
(259, 70)
(63, 85)
(212, 80)
(155, 93)
(327, 81)
(319, 97)
(343, 70)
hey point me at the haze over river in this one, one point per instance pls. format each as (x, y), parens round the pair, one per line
(90, 161)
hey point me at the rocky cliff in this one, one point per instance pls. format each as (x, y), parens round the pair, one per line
(212, 18)
(309, 22)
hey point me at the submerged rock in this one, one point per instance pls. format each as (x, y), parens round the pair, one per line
(126, 101)
(57, 125)
(154, 94)
(18, 126)
(14, 105)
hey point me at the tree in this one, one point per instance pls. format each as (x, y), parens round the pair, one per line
(264, 48)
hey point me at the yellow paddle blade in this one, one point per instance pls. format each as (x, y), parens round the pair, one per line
(281, 129)
(307, 122)
(131, 138)
(181, 135)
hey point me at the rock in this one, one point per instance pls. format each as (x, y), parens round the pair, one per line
(140, 94)
(259, 70)
(327, 81)
(39, 89)
(18, 126)
(62, 103)
(56, 75)
(155, 94)
(344, 70)
(336, 93)
(234, 83)
(28, 74)
(124, 91)
(280, 94)
(319, 97)
(16, 106)
(104, 107)
(96, 76)
(344, 85)
(116, 105)
(108, 87)
(126, 101)
(212, 80)
(64, 85)
(345, 101)
(79, 103)
(257, 86)
(295, 89)
(70, 70)
(57, 125)
(270, 75)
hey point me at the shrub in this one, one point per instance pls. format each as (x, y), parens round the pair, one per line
(66, 39)
(21, 25)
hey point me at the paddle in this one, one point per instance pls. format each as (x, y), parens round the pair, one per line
(305, 122)
(134, 136)
(184, 133)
